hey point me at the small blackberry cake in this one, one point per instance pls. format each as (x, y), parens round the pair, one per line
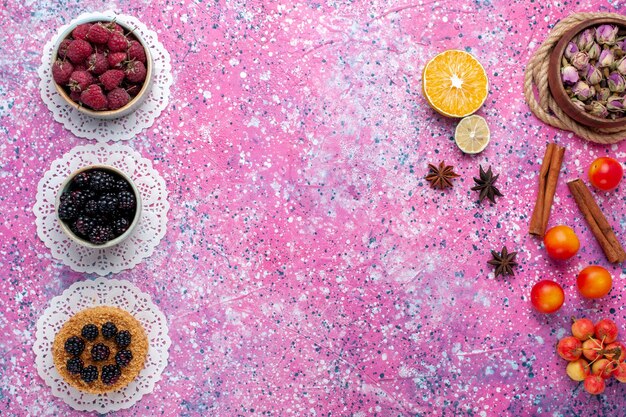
(100, 349)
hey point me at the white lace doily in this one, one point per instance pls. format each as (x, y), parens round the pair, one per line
(110, 292)
(117, 129)
(148, 233)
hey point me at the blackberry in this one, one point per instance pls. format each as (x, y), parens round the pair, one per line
(122, 339)
(107, 204)
(67, 210)
(123, 357)
(75, 365)
(100, 352)
(101, 181)
(110, 374)
(89, 374)
(90, 332)
(100, 234)
(65, 196)
(109, 330)
(91, 207)
(120, 226)
(74, 345)
(81, 180)
(126, 200)
(121, 184)
(81, 197)
(84, 225)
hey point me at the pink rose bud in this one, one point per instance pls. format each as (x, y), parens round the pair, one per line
(615, 104)
(593, 75)
(594, 51)
(620, 66)
(570, 50)
(603, 94)
(582, 90)
(606, 34)
(606, 58)
(616, 82)
(585, 40)
(569, 75)
(597, 109)
(580, 60)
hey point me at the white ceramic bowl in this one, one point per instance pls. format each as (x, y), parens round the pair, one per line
(77, 239)
(136, 101)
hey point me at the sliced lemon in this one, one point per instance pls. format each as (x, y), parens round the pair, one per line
(472, 134)
(455, 84)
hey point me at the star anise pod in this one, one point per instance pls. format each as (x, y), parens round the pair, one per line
(440, 177)
(484, 184)
(503, 261)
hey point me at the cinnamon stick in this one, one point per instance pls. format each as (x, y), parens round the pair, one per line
(548, 178)
(598, 224)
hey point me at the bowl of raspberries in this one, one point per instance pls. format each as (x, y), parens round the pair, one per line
(102, 68)
(98, 206)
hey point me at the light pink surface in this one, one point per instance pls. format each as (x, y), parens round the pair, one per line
(308, 269)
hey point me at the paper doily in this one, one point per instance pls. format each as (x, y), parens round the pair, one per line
(110, 292)
(117, 129)
(150, 229)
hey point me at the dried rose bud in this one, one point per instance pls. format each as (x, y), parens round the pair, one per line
(606, 34)
(594, 51)
(597, 109)
(615, 104)
(593, 75)
(582, 91)
(620, 66)
(606, 58)
(570, 50)
(580, 60)
(585, 39)
(603, 94)
(569, 75)
(578, 104)
(616, 82)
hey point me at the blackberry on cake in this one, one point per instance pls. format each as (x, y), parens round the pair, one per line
(74, 345)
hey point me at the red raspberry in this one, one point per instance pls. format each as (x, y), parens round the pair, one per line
(114, 27)
(116, 59)
(98, 33)
(81, 67)
(112, 79)
(94, 98)
(79, 50)
(62, 71)
(136, 52)
(80, 31)
(135, 72)
(117, 42)
(133, 89)
(80, 80)
(75, 96)
(62, 51)
(98, 63)
(118, 98)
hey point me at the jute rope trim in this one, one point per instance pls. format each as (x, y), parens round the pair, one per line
(536, 76)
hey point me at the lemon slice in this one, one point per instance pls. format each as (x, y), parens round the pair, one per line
(472, 134)
(454, 83)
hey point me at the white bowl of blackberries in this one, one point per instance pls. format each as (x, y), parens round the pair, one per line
(98, 206)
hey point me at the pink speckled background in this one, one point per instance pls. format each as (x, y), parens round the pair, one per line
(308, 269)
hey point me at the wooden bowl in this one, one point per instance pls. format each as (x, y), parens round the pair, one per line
(556, 85)
(136, 101)
(79, 240)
